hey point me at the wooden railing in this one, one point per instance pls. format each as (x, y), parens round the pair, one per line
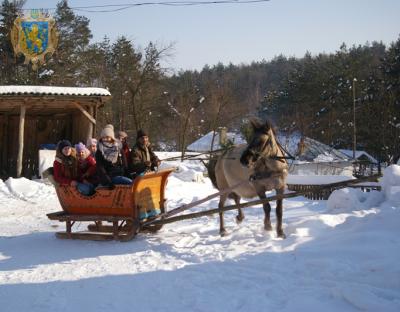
(314, 191)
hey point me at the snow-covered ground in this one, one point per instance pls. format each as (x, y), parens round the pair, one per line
(340, 255)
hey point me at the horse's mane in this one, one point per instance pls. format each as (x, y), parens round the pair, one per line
(258, 123)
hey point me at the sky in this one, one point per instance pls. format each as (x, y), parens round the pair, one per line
(243, 33)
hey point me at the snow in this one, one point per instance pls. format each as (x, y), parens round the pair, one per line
(391, 183)
(339, 255)
(358, 154)
(5, 90)
(204, 143)
(46, 160)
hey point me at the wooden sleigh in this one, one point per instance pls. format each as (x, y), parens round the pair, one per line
(120, 206)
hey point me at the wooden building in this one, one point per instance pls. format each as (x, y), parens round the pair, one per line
(31, 116)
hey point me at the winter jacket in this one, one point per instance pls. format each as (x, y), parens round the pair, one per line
(127, 152)
(140, 156)
(106, 170)
(87, 170)
(65, 168)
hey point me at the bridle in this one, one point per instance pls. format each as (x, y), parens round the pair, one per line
(260, 155)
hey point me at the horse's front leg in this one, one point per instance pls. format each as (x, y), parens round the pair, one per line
(279, 215)
(221, 204)
(267, 212)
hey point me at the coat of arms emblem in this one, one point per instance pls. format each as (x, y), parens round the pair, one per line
(34, 36)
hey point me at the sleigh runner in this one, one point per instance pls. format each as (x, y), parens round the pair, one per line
(120, 206)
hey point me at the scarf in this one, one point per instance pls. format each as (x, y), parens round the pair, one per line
(145, 149)
(110, 151)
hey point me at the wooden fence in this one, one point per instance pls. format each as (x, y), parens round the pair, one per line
(314, 191)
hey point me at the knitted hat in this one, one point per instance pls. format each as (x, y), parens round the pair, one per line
(108, 131)
(122, 134)
(63, 143)
(141, 133)
(91, 141)
(80, 147)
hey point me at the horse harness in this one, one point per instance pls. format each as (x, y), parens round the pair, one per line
(279, 158)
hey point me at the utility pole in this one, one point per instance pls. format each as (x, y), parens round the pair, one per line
(354, 118)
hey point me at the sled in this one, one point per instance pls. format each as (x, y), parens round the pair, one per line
(119, 205)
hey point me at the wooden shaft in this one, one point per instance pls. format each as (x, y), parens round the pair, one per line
(248, 204)
(206, 199)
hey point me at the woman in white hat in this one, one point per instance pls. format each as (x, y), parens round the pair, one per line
(110, 161)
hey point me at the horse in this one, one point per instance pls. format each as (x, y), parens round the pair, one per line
(261, 166)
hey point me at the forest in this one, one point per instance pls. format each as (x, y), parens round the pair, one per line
(321, 96)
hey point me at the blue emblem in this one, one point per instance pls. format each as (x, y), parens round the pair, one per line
(36, 36)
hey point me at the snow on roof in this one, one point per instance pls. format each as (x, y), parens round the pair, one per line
(312, 150)
(204, 143)
(359, 154)
(50, 90)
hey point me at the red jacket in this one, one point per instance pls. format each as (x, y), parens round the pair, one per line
(65, 168)
(127, 153)
(60, 174)
(87, 170)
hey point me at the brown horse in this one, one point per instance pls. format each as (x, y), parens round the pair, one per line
(260, 165)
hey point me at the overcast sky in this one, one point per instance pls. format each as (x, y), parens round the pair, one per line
(242, 33)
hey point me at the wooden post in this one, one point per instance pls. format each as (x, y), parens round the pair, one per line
(21, 140)
(89, 134)
(115, 230)
(94, 126)
(5, 165)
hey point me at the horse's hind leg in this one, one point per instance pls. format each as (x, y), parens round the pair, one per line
(222, 200)
(240, 215)
(279, 215)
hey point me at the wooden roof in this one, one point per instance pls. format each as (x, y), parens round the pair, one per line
(48, 100)
(50, 90)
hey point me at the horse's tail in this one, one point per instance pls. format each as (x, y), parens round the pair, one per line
(211, 171)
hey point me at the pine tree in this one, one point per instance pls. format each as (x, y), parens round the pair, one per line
(391, 103)
(74, 36)
(9, 64)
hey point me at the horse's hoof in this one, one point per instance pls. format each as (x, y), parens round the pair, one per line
(268, 226)
(281, 234)
(223, 233)
(239, 219)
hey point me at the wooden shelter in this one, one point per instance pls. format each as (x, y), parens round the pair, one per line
(31, 116)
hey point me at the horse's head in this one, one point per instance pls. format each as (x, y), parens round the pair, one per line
(261, 143)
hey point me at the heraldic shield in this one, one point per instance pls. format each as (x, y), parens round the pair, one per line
(34, 38)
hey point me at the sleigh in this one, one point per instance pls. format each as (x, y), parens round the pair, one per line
(113, 213)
